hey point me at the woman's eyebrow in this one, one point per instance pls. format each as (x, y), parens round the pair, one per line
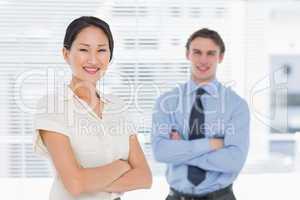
(99, 45)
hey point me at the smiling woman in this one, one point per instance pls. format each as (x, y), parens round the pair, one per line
(91, 163)
(89, 54)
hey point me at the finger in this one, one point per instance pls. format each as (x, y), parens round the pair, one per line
(177, 136)
(174, 136)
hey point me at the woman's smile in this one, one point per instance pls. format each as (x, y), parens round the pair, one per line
(91, 70)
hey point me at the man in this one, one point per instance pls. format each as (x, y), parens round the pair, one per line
(201, 128)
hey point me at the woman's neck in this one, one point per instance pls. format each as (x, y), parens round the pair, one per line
(84, 89)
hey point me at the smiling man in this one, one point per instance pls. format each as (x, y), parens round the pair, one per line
(201, 128)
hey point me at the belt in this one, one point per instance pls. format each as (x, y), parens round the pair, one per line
(211, 195)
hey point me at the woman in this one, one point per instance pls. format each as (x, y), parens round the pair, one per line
(95, 152)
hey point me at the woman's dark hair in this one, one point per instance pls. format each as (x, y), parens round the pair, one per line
(85, 21)
(209, 34)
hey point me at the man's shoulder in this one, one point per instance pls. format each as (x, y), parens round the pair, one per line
(173, 94)
(232, 96)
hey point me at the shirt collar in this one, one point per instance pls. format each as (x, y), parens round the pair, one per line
(69, 95)
(211, 87)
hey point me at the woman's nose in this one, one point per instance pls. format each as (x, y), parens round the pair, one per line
(92, 59)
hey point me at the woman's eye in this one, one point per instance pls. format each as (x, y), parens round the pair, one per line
(82, 49)
(101, 50)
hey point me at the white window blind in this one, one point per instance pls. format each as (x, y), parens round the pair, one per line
(149, 59)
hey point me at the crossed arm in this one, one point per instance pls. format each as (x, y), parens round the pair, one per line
(117, 176)
(172, 149)
(222, 155)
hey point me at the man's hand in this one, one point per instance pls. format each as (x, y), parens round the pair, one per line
(216, 143)
(174, 135)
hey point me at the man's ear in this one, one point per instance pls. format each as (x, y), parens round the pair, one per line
(221, 57)
(65, 53)
(187, 52)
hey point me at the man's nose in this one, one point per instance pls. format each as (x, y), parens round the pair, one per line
(203, 59)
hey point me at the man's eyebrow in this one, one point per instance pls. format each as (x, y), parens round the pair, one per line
(212, 51)
(196, 50)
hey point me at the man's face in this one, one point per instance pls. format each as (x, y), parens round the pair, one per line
(204, 56)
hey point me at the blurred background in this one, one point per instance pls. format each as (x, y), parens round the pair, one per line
(262, 63)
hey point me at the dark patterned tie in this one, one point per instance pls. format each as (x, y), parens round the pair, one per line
(195, 174)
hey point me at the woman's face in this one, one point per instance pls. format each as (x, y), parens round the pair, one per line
(89, 54)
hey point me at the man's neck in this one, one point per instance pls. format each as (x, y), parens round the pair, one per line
(202, 82)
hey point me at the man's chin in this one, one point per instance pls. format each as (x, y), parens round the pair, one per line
(203, 79)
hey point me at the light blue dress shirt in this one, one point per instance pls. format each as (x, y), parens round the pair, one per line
(226, 116)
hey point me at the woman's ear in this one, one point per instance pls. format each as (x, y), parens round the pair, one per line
(65, 53)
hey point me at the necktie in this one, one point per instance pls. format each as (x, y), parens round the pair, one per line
(195, 174)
